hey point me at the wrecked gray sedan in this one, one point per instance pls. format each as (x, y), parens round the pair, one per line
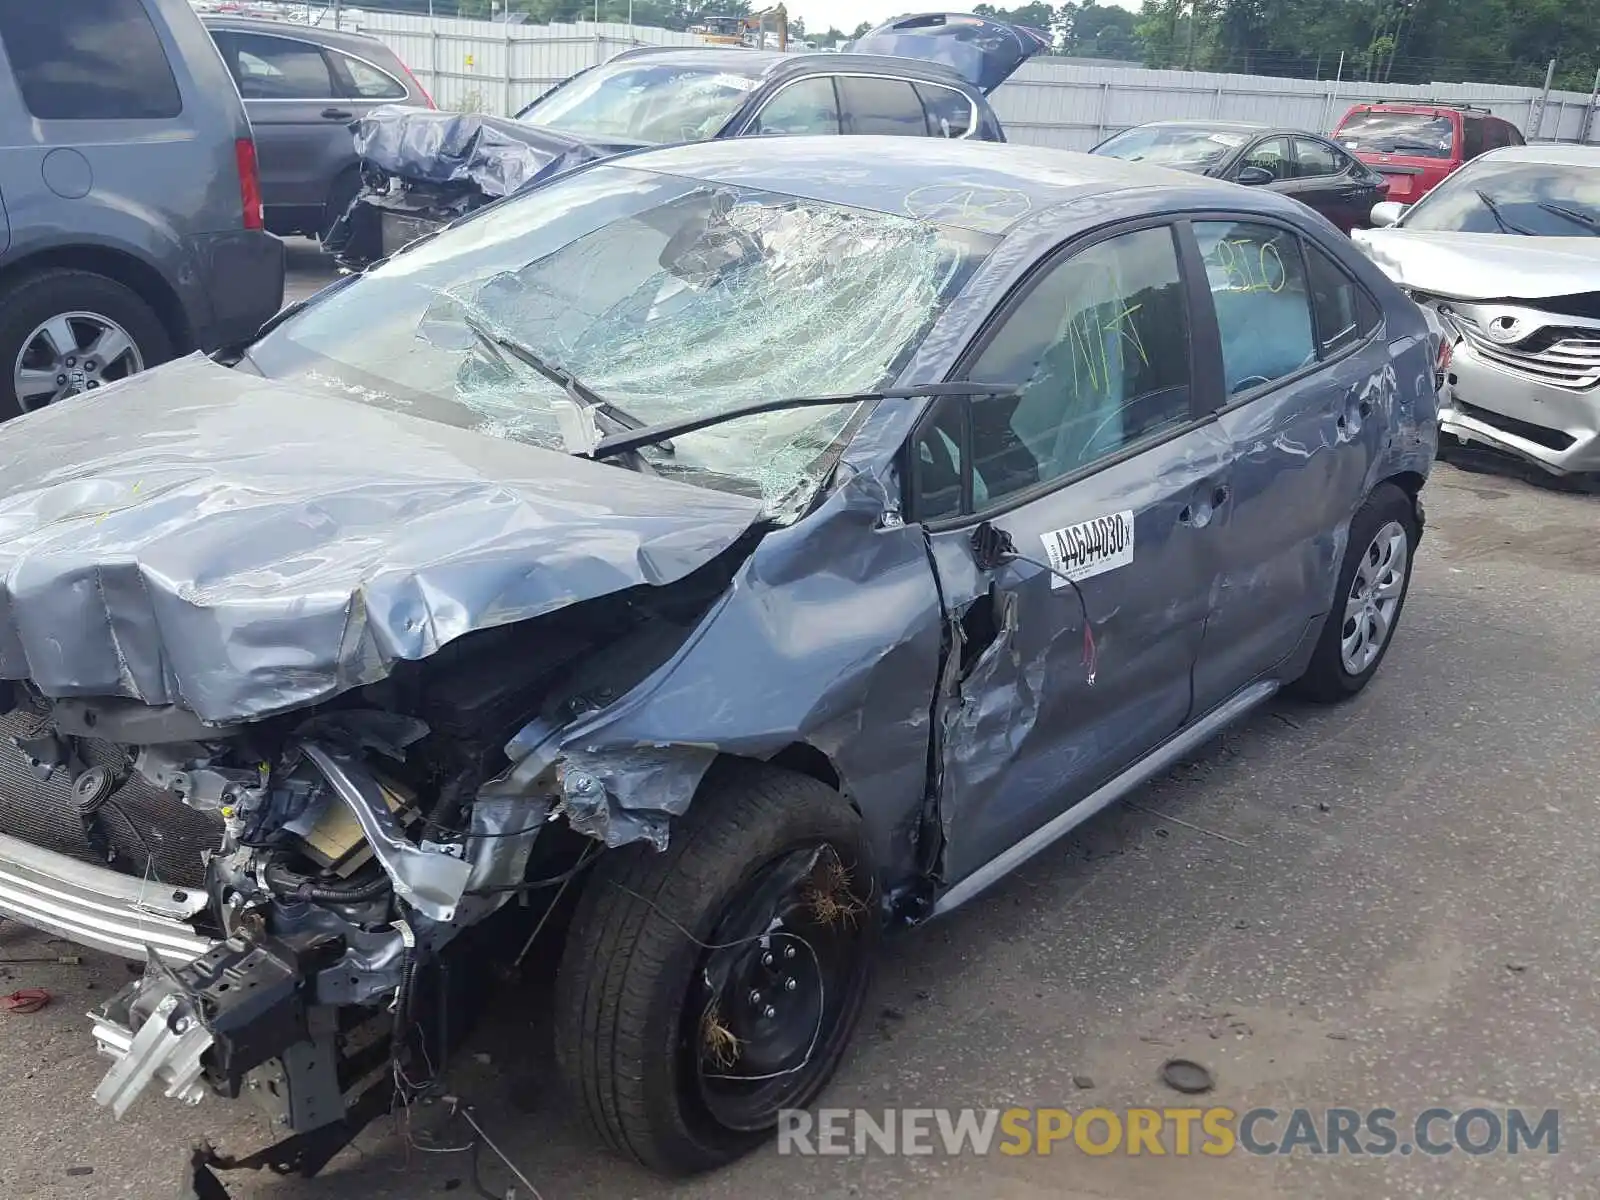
(737, 555)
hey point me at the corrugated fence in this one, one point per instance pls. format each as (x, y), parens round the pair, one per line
(1049, 102)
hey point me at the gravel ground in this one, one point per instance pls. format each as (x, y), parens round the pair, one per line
(1402, 914)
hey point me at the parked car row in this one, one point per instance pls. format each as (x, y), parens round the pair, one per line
(1392, 150)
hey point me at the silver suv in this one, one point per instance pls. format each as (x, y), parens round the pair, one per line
(130, 201)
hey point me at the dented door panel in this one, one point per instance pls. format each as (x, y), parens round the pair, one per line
(1302, 454)
(1024, 732)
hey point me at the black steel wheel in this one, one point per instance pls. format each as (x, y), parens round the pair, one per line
(705, 988)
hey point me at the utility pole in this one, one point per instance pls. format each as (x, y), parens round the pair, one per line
(1536, 126)
(1588, 113)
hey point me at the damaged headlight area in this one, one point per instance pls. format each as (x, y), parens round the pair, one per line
(305, 889)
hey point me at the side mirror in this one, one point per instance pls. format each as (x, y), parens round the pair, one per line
(1253, 176)
(1386, 213)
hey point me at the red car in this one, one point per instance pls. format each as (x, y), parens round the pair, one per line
(1415, 144)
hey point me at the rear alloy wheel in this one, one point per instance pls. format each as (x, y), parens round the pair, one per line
(1374, 598)
(681, 1049)
(66, 332)
(70, 353)
(1373, 581)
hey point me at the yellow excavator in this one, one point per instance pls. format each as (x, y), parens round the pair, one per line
(745, 31)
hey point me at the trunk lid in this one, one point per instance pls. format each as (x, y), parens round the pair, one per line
(983, 51)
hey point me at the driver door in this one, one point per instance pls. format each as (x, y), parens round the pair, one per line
(1108, 467)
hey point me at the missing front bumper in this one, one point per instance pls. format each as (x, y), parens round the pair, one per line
(98, 907)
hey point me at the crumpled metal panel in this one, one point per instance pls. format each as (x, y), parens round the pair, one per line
(856, 684)
(1484, 265)
(203, 537)
(493, 155)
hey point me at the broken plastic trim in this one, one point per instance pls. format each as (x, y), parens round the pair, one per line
(431, 881)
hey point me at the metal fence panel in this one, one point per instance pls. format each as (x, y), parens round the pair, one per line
(1060, 102)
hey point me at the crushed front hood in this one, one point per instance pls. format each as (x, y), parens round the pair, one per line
(492, 155)
(1484, 266)
(983, 51)
(203, 537)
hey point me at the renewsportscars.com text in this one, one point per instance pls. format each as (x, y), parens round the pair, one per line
(1212, 1132)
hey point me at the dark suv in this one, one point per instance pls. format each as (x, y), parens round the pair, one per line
(302, 87)
(130, 203)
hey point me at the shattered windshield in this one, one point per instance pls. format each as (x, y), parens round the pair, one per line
(1417, 135)
(1510, 196)
(644, 102)
(669, 297)
(1186, 147)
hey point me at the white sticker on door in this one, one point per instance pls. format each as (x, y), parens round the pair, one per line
(1090, 548)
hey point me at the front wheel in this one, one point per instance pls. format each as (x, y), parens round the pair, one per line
(1373, 582)
(704, 988)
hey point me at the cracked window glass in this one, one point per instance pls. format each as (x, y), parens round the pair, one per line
(666, 296)
(644, 102)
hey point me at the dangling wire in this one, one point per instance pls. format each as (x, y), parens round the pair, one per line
(1090, 652)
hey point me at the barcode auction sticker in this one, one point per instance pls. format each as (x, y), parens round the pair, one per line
(1090, 548)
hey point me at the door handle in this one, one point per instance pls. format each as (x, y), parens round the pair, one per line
(1198, 513)
(338, 114)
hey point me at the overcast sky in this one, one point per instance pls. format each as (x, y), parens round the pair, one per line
(847, 14)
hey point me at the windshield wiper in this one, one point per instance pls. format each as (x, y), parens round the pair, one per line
(624, 443)
(1571, 214)
(577, 391)
(1506, 226)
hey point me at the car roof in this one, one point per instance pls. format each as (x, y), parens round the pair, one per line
(1437, 107)
(1561, 154)
(1227, 126)
(338, 39)
(1249, 127)
(983, 186)
(762, 64)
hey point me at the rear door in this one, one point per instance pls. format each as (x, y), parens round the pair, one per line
(1105, 467)
(1307, 381)
(300, 116)
(1324, 180)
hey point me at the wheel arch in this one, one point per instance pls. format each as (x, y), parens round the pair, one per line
(127, 269)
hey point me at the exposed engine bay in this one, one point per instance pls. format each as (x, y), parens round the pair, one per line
(292, 880)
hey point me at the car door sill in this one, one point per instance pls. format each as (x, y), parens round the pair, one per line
(1152, 764)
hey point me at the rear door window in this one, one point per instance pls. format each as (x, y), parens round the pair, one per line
(873, 105)
(88, 60)
(1312, 159)
(1344, 313)
(274, 68)
(363, 81)
(949, 112)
